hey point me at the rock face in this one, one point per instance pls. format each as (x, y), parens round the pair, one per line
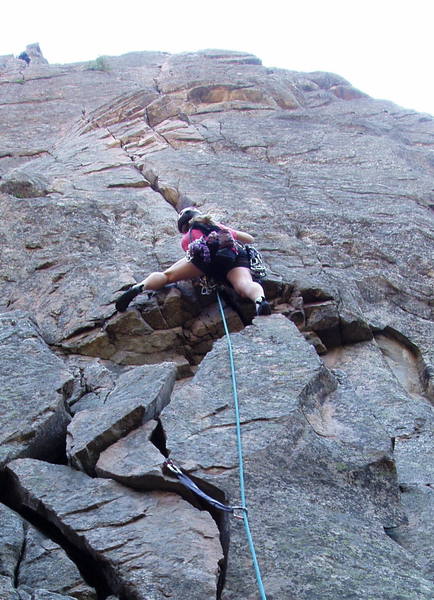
(33, 383)
(336, 387)
(314, 466)
(139, 396)
(35, 565)
(137, 538)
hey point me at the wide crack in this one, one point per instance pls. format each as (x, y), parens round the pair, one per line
(89, 568)
(94, 572)
(221, 518)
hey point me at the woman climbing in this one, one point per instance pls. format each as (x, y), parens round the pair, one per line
(213, 250)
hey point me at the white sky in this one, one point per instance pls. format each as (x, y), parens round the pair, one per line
(383, 47)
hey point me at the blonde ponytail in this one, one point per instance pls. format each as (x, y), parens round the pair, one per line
(205, 219)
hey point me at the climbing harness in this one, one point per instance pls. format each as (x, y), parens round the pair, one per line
(219, 246)
(257, 268)
(240, 457)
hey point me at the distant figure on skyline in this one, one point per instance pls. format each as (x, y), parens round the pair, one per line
(25, 56)
(33, 54)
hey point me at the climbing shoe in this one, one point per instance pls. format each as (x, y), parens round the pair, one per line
(262, 307)
(124, 299)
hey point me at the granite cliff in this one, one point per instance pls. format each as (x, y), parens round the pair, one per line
(336, 386)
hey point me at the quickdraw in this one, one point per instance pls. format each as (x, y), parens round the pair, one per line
(207, 285)
(257, 266)
(173, 468)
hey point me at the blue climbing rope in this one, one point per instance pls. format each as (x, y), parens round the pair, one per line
(240, 456)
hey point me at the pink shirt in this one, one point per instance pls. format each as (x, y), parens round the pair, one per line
(195, 234)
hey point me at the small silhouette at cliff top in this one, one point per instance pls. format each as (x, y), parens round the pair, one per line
(33, 53)
(25, 56)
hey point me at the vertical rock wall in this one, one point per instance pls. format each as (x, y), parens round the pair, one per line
(336, 387)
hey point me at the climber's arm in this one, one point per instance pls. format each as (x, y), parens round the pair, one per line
(242, 236)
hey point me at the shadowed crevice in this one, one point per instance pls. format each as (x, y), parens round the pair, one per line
(20, 560)
(407, 363)
(90, 569)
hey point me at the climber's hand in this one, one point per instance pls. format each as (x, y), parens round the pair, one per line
(126, 287)
(124, 299)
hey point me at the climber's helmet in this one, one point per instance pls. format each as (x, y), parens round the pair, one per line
(185, 217)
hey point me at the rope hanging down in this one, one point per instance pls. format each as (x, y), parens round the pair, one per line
(189, 483)
(240, 456)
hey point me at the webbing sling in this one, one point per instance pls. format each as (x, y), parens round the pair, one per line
(189, 483)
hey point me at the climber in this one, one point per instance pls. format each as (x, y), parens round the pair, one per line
(24, 56)
(212, 249)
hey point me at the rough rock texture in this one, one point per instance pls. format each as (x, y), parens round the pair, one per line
(33, 390)
(41, 594)
(137, 538)
(7, 589)
(12, 540)
(35, 564)
(312, 464)
(96, 159)
(44, 565)
(139, 396)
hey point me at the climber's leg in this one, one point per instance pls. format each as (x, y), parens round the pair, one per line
(243, 284)
(181, 270)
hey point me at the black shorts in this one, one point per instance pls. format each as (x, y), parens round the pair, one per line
(218, 270)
